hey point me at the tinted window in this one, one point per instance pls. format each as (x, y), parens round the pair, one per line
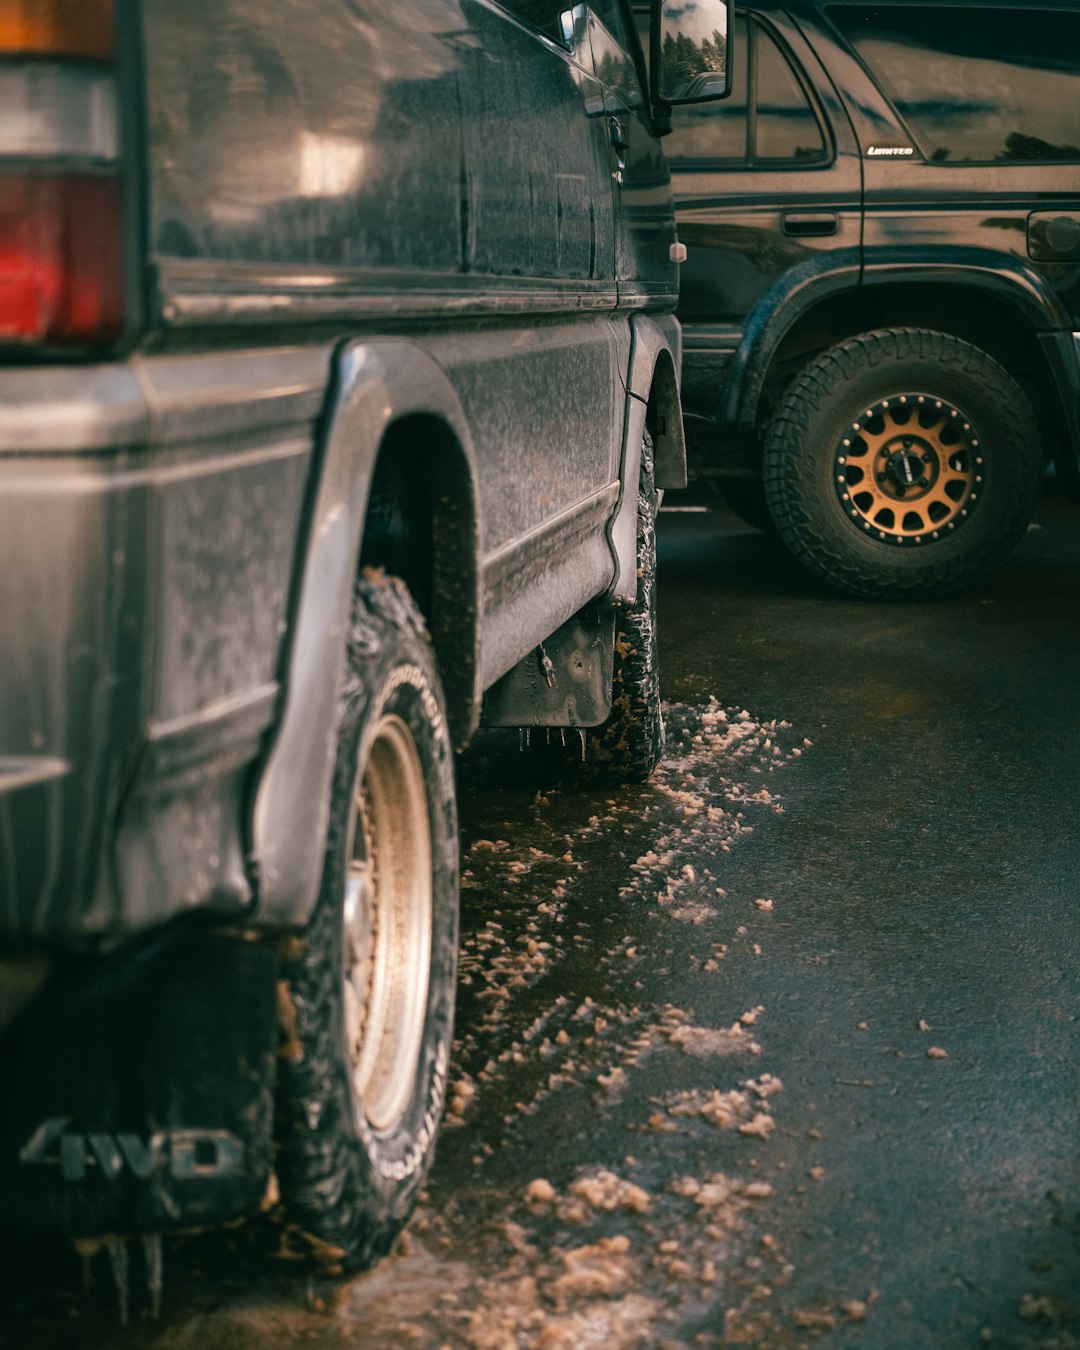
(767, 118)
(610, 14)
(975, 86)
(786, 125)
(716, 130)
(542, 14)
(610, 50)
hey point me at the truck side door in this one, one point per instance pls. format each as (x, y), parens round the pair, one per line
(537, 241)
(980, 130)
(766, 183)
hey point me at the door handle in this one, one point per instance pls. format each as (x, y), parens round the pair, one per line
(620, 144)
(809, 224)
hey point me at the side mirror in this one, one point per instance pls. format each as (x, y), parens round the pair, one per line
(688, 50)
(573, 25)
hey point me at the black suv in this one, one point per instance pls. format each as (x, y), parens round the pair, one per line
(882, 292)
(337, 382)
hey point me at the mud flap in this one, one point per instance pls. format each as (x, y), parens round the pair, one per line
(565, 682)
(137, 1090)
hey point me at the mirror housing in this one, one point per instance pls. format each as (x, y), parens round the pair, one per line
(689, 59)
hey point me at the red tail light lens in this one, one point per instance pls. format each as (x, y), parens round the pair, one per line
(60, 258)
(61, 229)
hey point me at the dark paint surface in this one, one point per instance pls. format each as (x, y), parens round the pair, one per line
(400, 151)
(922, 870)
(437, 175)
(916, 241)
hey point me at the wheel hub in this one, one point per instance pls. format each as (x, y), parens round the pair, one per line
(909, 470)
(387, 927)
(907, 467)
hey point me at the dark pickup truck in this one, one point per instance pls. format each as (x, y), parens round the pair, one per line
(881, 300)
(338, 372)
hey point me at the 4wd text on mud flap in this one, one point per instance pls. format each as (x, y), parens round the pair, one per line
(191, 1155)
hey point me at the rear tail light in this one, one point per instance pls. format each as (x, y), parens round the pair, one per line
(61, 231)
(60, 265)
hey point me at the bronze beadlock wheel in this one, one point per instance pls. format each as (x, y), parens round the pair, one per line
(902, 463)
(910, 469)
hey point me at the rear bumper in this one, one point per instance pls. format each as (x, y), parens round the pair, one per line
(149, 518)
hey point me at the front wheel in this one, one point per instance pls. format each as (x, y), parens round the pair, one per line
(627, 747)
(902, 463)
(368, 991)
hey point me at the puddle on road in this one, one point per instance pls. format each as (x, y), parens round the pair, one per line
(644, 1219)
(603, 1176)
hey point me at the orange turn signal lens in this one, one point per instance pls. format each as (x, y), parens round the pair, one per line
(56, 28)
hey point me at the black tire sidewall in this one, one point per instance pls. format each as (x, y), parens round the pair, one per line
(833, 392)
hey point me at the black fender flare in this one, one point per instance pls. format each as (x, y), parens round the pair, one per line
(373, 385)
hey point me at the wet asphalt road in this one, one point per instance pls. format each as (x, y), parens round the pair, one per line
(694, 1097)
(925, 870)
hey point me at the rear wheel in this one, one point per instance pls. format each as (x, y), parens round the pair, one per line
(368, 992)
(902, 463)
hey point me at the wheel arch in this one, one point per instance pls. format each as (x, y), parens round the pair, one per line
(1000, 321)
(652, 401)
(388, 403)
(663, 417)
(420, 525)
(780, 324)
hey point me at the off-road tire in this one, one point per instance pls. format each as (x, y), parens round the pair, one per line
(627, 747)
(387, 905)
(978, 438)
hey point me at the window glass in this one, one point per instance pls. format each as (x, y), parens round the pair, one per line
(715, 130)
(975, 87)
(610, 14)
(783, 124)
(542, 14)
(612, 61)
(786, 125)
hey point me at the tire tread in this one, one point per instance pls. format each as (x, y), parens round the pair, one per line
(789, 470)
